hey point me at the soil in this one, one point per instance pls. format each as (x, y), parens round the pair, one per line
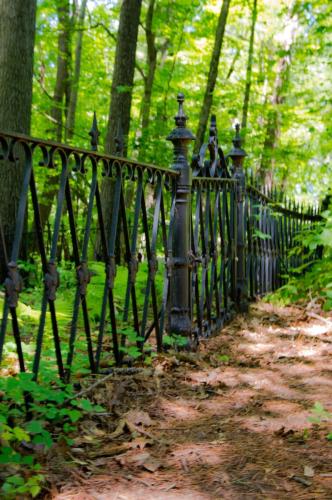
(231, 421)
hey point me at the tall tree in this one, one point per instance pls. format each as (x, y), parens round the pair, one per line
(277, 99)
(61, 97)
(213, 73)
(249, 67)
(17, 34)
(151, 64)
(71, 113)
(62, 83)
(123, 75)
(121, 95)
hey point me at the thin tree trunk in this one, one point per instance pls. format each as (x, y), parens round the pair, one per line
(61, 95)
(62, 83)
(17, 35)
(70, 125)
(212, 77)
(121, 95)
(273, 120)
(267, 165)
(151, 63)
(249, 68)
(232, 66)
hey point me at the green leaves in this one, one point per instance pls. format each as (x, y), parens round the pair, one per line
(259, 234)
(175, 341)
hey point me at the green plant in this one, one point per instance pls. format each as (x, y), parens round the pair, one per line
(313, 280)
(175, 341)
(132, 347)
(320, 414)
(53, 414)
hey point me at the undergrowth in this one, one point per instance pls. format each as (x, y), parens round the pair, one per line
(33, 419)
(310, 281)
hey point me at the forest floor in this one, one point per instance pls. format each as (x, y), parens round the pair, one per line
(229, 422)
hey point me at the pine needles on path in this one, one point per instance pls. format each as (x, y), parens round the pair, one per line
(231, 421)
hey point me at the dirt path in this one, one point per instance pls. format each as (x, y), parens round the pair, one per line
(228, 423)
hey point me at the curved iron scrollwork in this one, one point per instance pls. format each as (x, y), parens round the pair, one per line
(216, 165)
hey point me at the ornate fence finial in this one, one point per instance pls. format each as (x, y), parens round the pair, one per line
(180, 118)
(237, 154)
(180, 132)
(94, 133)
(213, 126)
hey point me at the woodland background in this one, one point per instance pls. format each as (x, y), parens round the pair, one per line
(273, 75)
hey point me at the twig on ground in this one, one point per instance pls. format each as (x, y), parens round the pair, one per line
(115, 371)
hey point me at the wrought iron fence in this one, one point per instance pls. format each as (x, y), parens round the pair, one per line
(180, 251)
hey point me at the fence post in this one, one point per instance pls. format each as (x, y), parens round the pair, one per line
(180, 284)
(237, 154)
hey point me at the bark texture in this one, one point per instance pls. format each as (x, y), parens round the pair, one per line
(246, 99)
(123, 76)
(17, 34)
(212, 77)
(70, 125)
(273, 119)
(61, 98)
(62, 83)
(121, 94)
(151, 63)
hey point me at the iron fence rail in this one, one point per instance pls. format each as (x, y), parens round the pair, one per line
(185, 249)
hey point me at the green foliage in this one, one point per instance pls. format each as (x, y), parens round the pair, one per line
(175, 341)
(314, 280)
(320, 414)
(184, 37)
(262, 236)
(53, 414)
(223, 358)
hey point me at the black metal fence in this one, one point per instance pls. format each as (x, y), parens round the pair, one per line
(179, 252)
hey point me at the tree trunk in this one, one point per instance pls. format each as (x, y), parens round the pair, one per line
(123, 76)
(121, 94)
(151, 63)
(249, 68)
(266, 169)
(17, 34)
(70, 125)
(61, 96)
(273, 120)
(212, 77)
(62, 83)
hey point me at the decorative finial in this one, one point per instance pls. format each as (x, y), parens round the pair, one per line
(180, 118)
(237, 152)
(94, 133)
(213, 126)
(180, 132)
(237, 139)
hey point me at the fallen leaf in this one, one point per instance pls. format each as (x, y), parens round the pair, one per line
(137, 417)
(151, 464)
(308, 471)
(138, 459)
